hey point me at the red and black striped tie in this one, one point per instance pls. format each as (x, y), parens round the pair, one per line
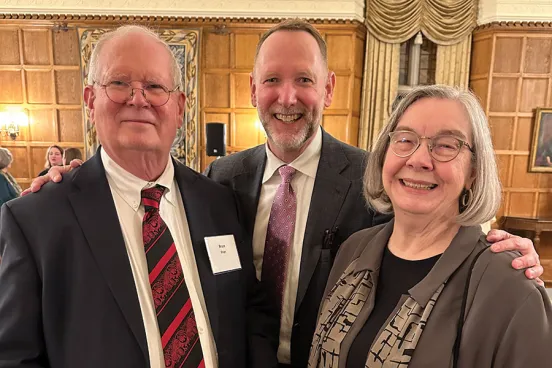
(175, 316)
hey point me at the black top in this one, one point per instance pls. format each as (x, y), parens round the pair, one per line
(396, 277)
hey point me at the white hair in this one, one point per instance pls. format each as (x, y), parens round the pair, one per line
(94, 68)
(486, 186)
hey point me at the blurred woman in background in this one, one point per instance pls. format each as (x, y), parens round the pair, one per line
(71, 154)
(9, 189)
(54, 157)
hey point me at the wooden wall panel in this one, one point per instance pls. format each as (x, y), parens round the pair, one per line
(216, 90)
(228, 58)
(68, 87)
(42, 124)
(507, 55)
(339, 51)
(39, 86)
(12, 90)
(70, 129)
(482, 63)
(242, 94)
(36, 46)
(502, 129)
(66, 48)
(10, 47)
(503, 94)
(40, 75)
(337, 124)
(518, 79)
(246, 46)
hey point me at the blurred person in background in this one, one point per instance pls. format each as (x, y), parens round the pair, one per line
(71, 154)
(54, 157)
(9, 189)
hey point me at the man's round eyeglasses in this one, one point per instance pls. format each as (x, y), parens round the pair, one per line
(442, 148)
(121, 92)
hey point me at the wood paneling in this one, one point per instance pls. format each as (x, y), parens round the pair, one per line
(482, 63)
(507, 55)
(70, 127)
(516, 80)
(9, 40)
(11, 91)
(40, 75)
(339, 51)
(228, 57)
(36, 46)
(42, 125)
(40, 87)
(66, 48)
(216, 90)
(502, 129)
(244, 53)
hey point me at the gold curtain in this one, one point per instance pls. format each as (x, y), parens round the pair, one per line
(445, 22)
(448, 23)
(381, 80)
(453, 63)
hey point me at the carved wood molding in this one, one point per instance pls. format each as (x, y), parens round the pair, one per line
(169, 20)
(514, 26)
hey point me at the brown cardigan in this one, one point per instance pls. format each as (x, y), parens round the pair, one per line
(508, 318)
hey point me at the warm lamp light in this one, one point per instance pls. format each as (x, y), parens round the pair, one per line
(10, 121)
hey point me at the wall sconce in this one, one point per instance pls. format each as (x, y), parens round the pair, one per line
(10, 121)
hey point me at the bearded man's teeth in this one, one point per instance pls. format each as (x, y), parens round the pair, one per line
(287, 118)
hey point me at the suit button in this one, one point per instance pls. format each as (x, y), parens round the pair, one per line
(296, 325)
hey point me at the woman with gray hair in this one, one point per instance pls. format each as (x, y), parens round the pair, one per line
(423, 290)
(9, 189)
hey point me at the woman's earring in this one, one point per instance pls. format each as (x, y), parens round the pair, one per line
(465, 198)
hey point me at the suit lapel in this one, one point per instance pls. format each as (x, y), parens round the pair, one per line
(247, 183)
(95, 211)
(329, 192)
(200, 224)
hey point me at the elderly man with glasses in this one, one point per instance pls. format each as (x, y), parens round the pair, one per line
(135, 260)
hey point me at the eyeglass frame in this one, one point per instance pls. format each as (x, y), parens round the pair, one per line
(430, 146)
(168, 91)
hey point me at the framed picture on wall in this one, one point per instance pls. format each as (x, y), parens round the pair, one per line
(541, 145)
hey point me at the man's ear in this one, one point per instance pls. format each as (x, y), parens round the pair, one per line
(329, 89)
(89, 99)
(253, 88)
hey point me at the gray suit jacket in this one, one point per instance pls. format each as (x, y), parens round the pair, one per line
(508, 318)
(337, 207)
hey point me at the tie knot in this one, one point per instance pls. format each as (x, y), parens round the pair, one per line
(286, 172)
(152, 196)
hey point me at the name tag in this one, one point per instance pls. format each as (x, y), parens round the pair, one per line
(223, 253)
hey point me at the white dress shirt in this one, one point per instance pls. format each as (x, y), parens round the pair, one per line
(302, 183)
(126, 190)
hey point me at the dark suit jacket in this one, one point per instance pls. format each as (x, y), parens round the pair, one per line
(337, 202)
(67, 294)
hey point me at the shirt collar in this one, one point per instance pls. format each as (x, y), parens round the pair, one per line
(129, 187)
(306, 163)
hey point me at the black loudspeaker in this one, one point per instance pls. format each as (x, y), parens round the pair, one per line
(216, 139)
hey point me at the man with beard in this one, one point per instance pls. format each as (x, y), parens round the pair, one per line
(301, 193)
(290, 87)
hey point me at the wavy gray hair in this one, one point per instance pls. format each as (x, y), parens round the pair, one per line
(94, 67)
(486, 186)
(6, 158)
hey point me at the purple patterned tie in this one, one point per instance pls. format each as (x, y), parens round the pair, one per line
(279, 233)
